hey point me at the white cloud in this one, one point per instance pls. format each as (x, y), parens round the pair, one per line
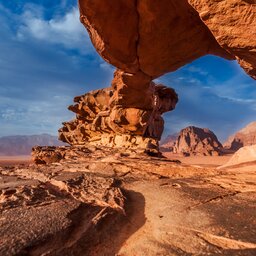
(64, 30)
(40, 75)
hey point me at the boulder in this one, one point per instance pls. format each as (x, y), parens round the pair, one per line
(197, 141)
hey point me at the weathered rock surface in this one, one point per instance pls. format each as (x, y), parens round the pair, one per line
(77, 205)
(233, 24)
(115, 117)
(244, 137)
(197, 141)
(81, 197)
(160, 37)
(56, 212)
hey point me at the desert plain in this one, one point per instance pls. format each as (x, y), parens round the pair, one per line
(98, 202)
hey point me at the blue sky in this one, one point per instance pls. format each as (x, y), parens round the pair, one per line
(46, 58)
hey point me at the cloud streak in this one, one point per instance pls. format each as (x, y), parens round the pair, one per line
(60, 30)
(213, 99)
(39, 77)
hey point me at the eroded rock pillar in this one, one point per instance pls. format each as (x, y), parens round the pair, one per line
(127, 114)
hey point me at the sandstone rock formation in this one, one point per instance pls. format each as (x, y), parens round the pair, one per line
(144, 40)
(67, 213)
(197, 141)
(233, 24)
(158, 37)
(244, 137)
(106, 118)
(82, 196)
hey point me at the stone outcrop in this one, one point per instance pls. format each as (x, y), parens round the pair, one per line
(244, 137)
(67, 213)
(158, 37)
(197, 141)
(116, 116)
(81, 197)
(144, 40)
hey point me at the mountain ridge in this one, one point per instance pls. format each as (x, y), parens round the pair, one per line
(22, 144)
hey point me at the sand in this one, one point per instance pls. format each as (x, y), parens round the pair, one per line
(14, 160)
(206, 161)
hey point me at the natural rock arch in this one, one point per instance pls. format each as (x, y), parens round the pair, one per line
(145, 39)
(157, 37)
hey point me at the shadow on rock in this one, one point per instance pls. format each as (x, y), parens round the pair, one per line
(95, 230)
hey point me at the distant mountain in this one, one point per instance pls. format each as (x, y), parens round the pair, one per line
(168, 143)
(22, 144)
(244, 137)
(197, 141)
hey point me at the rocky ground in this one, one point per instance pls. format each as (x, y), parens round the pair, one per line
(103, 202)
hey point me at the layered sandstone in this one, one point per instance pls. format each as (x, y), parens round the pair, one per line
(244, 137)
(197, 141)
(84, 195)
(116, 117)
(65, 213)
(144, 40)
(159, 37)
